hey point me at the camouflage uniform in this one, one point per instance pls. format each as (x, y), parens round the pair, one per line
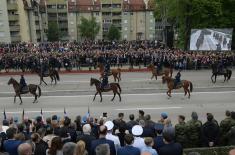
(225, 126)
(181, 134)
(193, 133)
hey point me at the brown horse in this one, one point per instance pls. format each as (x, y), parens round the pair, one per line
(115, 87)
(166, 71)
(31, 89)
(53, 74)
(115, 72)
(187, 85)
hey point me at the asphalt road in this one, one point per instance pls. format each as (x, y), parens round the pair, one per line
(75, 94)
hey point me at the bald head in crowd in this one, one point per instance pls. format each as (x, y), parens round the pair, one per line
(25, 149)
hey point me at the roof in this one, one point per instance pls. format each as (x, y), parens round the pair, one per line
(83, 5)
(137, 5)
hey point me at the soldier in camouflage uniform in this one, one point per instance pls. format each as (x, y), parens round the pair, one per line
(225, 126)
(181, 131)
(193, 131)
(230, 136)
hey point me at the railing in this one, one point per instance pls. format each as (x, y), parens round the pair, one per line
(16, 38)
(12, 6)
(13, 17)
(14, 27)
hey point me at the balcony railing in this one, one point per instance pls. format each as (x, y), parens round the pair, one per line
(12, 6)
(14, 28)
(13, 17)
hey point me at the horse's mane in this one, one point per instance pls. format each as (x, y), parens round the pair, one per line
(14, 80)
(96, 80)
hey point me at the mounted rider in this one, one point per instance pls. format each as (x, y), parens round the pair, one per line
(105, 81)
(159, 67)
(23, 84)
(221, 67)
(177, 79)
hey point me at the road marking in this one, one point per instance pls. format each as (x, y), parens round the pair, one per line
(149, 94)
(20, 112)
(159, 108)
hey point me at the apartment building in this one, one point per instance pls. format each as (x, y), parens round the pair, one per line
(4, 23)
(138, 22)
(78, 9)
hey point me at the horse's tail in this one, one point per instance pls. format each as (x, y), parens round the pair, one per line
(229, 74)
(39, 91)
(119, 73)
(118, 85)
(191, 86)
(57, 75)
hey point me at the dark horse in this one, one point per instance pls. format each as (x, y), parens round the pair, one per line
(115, 87)
(115, 72)
(187, 85)
(227, 74)
(53, 74)
(32, 88)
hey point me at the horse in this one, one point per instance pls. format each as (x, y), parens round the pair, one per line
(115, 87)
(227, 74)
(32, 88)
(115, 72)
(166, 71)
(187, 85)
(53, 74)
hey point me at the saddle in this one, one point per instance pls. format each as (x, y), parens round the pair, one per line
(178, 84)
(25, 89)
(46, 73)
(106, 87)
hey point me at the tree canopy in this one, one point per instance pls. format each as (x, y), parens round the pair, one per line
(89, 28)
(53, 31)
(113, 33)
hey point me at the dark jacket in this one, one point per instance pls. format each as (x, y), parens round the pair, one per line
(128, 150)
(210, 133)
(97, 142)
(171, 149)
(87, 139)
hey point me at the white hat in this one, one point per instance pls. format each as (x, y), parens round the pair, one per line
(109, 125)
(137, 130)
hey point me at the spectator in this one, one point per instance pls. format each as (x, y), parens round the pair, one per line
(210, 132)
(80, 148)
(132, 122)
(39, 144)
(141, 116)
(147, 131)
(194, 131)
(170, 148)
(128, 149)
(137, 131)
(56, 147)
(149, 146)
(110, 136)
(86, 137)
(121, 134)
(69, 148)
(25, 149)
(11, 144)
(225, 126)
(102, 140)
(158, 141)
(102, 149)
(232, 152)
(181, 131)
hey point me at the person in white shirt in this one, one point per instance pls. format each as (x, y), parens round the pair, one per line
(110, 136)
(137, 131)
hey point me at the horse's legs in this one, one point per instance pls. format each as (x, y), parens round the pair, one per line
(212, 78)
(215, 78)
(114, 76)
(188, 93)
(51, 79)
(40, 80)
(20, 100)
(225, 77)
(114, 94)
(152, 76)
(100, 97)
(15, 99)
(120, 99)
(95, 96)
(55, 80)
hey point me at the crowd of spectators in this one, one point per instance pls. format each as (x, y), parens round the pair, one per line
(90, 136)
(79, 54)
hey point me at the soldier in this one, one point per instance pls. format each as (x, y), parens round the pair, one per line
(22, 83)
(194, 131)
(105, 78)
(177, 79)
(225, 127)
(181, 131)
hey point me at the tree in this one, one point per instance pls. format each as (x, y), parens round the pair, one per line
(89, 28)
(53, 31)
(114, 33)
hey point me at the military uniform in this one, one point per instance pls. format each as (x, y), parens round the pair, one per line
(177, 79)
(225, 126)
(23, 84)
(105, 78)
(181, 134)
(193, 133)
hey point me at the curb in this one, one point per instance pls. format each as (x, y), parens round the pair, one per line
(72, 72)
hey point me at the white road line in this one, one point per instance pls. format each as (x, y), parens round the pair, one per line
(149, 94)
(159, 108)
(20, 112)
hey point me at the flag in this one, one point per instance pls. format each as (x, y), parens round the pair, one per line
(23, 116)
(65, 113)
(4, 114)
(42, 115)
(88, 111)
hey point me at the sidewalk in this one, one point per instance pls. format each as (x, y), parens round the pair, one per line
(82, 70)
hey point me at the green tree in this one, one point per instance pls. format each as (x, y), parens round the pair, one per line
(114, 33)
(53, 31)
(89, 28)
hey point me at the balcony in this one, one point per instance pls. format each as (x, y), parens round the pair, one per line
(12, 6)
(62, 18)
(16, 38)
(62, 10)
(14, 28)
(106, 9)
(37, 27)
(13, 17)
(63, 26)
(116, 9)
(51, 10)
(117, 17)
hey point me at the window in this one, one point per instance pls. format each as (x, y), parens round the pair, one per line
(131, 13)
(150, 36)
(71, 23)
(125, 28)
(150, 28)
(125, 36)
(151, 21)
(125, 21)
(125, 13)
(2, 34)
(1, 23)
(71, 14)
(97, 14)
(151, 13)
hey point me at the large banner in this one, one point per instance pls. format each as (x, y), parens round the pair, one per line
(211, 39)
